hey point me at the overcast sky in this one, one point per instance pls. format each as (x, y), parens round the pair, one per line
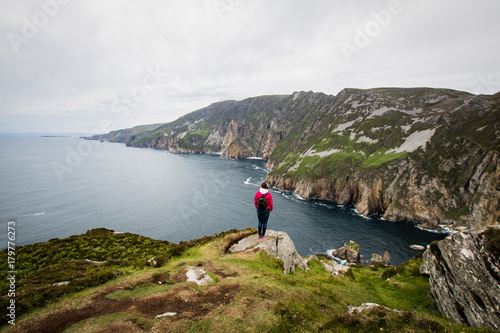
(91, 66)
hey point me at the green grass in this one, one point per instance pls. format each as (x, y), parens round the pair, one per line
(455, 213)
(265, 300)
(145, 128)
(379, 159)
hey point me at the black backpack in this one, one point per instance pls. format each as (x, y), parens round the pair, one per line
(261, 202)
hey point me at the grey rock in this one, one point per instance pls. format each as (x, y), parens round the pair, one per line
(423, 270)
(276, 243)
(198, 276)
(366, 307)
(59, 284)
(153, 262)
(93, 262)
(378, 259)
(375, 259)
(340, 269)
(386, 258)
(465, 277)
(166, 314)
(349, 252)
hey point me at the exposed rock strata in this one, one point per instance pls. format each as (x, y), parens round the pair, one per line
(464, 274)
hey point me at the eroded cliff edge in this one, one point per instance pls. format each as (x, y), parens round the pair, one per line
(464, 272)
(414, 154)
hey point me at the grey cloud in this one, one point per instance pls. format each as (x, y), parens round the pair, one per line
(91, 53)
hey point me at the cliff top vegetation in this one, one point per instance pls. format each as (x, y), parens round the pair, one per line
(111, 287)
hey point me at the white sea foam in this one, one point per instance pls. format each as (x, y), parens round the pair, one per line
(444, 230)
(35, 214)
(359, 214)
(247, 182)
(338, 260)
(298, 197)
(329, 206)
(256, 167)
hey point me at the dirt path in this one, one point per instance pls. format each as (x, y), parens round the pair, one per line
(183, 299)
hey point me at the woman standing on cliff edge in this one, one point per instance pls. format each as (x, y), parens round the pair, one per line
(264, 204)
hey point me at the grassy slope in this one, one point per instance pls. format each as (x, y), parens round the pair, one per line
(250, 293)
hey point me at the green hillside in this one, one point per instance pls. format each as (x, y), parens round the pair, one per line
(249, 292)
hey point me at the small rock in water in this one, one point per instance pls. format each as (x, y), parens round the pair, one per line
(417, 247)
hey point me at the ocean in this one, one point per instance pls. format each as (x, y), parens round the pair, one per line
(58, 186)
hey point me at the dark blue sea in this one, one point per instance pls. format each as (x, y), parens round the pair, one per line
(55, 187)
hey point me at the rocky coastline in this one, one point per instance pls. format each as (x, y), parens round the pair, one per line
(408, 154)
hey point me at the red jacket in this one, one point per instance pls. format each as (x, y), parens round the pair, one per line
(269, 198)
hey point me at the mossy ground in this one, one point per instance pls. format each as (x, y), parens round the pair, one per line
(249, 293)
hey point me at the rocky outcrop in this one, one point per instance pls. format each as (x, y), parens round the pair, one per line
(334, 268)
(378, 259)
(464, 272)
(348, 252)
(198, 276)
(276, 243)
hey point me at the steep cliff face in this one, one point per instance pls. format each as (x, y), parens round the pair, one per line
(253, 127)
(416, 154)
(428, 155)
(464, 274)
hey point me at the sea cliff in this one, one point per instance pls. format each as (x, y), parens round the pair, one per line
(408, 154)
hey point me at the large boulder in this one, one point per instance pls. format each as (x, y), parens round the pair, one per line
(464, 274)
(276, 243)
(198, 276)
(348, 252)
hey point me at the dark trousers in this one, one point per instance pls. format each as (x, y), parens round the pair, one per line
(263, 216)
